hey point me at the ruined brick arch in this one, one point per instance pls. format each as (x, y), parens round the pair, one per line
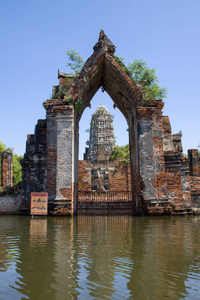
(159, 171)
(101, 70)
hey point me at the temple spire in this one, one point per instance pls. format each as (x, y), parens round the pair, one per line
(101, 141)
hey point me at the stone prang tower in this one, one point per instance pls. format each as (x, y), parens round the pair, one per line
(101, 140)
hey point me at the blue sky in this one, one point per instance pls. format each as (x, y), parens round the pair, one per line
(34, 38)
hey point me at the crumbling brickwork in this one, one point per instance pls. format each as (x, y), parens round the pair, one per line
(34, 166)
(161, 179)
(6, 168)
(194, 178)
(110, 176)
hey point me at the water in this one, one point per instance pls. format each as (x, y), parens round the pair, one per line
(99, 257)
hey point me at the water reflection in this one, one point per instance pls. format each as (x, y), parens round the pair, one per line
(100, 257)
(38, 232)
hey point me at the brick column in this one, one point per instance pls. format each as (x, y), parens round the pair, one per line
(152, 163)
(6, 168)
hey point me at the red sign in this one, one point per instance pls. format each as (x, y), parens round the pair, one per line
(39, 203)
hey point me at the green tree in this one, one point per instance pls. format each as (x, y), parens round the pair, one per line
(120, 152)
(141, 73)
(146, 77)
(2, 147)
(17, 169)
(137, 71)
(75, 62)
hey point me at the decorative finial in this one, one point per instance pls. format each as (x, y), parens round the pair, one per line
(104, 43)
(101, 35)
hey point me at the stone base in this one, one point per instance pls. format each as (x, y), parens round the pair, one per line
(164, 207)
(60, 207)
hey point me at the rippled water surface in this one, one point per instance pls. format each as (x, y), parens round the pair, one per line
(99, 257)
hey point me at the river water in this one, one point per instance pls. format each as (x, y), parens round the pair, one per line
(114, 257)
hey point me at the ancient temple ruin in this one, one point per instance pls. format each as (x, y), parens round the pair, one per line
(101, 141)
(159, 178)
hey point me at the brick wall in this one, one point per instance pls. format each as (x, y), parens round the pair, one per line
(113, 176)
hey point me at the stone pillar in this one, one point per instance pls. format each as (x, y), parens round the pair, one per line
(134, 163)
(6, 168)
(147, 159)
(60, 156)
(65, 155)
(152, 163)
(193, 157)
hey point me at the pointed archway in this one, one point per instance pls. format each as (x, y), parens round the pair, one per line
(159, 172)
(102, 70)
(147, 160)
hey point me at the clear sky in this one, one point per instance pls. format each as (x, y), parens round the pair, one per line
(34, 37)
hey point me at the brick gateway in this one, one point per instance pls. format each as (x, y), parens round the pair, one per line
(162, 180)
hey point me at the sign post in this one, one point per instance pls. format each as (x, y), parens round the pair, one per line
(39, 204)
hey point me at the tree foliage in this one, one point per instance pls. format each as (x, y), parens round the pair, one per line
(2, 147)
(141, 73)
(17, 169)
(145, 77)
(137, 71)
(75, 62)
(120, 152)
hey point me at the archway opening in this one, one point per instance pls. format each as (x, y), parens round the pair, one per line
(119, 122)
(101, 70)
(103, 187)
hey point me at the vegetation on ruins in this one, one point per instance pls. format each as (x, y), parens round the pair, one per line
(75, 61)
(137, 71)
(146, 79)
(78, 104)
(16, 169)
(121, 152)
(63, 92)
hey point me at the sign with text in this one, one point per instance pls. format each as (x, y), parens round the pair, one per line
(39, 203)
